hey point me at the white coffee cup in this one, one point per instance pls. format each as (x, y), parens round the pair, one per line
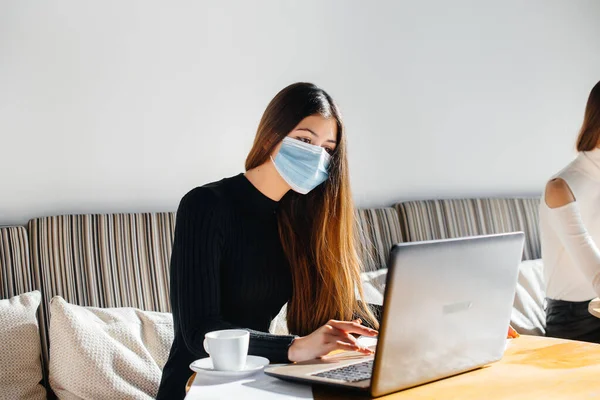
(228, 349)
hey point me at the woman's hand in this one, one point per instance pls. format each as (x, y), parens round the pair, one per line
(512, 334)
(335, 335)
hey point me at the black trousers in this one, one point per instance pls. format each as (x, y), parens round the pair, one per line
(571, 320)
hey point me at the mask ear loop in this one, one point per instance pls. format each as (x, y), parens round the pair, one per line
(325, 164)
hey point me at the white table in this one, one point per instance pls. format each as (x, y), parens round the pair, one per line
(258, 386)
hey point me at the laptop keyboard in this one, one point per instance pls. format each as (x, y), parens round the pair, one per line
(350, 373)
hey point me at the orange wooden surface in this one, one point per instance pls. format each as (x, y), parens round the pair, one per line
(532, 368)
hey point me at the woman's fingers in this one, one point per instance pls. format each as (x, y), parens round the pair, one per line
(338, 335)
(349, 341)
(352, 327)
(344, 336)
(512, 334)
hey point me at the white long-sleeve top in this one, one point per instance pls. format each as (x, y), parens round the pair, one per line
(570, 234)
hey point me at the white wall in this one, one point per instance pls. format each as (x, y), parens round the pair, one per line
(114, 106)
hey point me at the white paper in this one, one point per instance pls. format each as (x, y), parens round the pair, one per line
(367, 341)
(258, 386)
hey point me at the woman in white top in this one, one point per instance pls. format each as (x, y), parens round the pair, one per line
(570, 235)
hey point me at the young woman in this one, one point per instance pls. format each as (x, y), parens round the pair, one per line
(570, 234)
(282, 232)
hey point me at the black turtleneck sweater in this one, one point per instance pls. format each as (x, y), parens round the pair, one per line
(228, 270)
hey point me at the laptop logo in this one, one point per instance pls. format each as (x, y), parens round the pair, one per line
(457, 307)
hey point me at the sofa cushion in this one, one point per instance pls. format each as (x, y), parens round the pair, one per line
(110, 260)
(528, 315)
(441, 219)
(279, 323)
(16, 272)
(379, 229)
(119, 352)
(374, 285)
(20, 353)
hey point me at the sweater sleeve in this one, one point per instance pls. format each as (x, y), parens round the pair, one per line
(196, 279)
(577, 241)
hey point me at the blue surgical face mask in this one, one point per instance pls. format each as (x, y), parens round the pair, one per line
(303, 166)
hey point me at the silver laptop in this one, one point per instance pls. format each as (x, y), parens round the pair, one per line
(446, 310)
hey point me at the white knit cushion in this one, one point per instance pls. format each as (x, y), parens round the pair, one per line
(374, 285)
(20, 350)
(279, 323)
(528, 315)
(108, 353)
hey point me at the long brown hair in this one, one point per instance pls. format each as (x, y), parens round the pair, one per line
(317, 230)
(590, 130)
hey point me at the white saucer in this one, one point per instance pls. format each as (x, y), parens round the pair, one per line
(253, 365)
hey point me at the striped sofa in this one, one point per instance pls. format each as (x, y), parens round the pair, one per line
(16, 274)
(114, 260)
(444, 219)
(118, 260)
(122, 260)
